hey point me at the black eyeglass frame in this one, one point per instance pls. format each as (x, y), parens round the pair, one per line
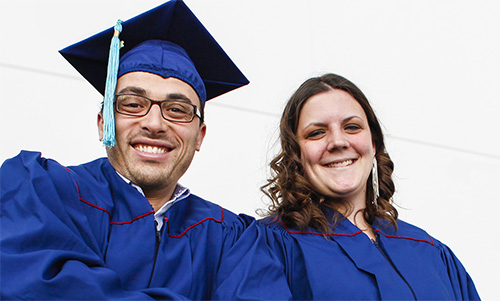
(196, 111)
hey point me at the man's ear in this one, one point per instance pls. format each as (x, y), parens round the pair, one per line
(100, 125)
(201, 136)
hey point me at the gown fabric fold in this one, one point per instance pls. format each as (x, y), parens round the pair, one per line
(82, 232)
(290, 264)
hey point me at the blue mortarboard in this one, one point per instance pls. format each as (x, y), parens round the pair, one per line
(168, 41)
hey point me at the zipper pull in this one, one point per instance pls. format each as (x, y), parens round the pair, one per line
(158, 233)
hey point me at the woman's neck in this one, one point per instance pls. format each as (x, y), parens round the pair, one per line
(355, 214)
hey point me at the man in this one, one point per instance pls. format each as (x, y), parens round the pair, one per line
(122, 227)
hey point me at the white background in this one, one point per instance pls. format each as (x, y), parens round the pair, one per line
(430, 68)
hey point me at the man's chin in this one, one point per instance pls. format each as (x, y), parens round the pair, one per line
(150, 177)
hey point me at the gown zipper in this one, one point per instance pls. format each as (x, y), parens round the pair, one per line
(381, 250)
(157, 247)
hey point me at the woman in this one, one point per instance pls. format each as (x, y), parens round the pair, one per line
(332, 231)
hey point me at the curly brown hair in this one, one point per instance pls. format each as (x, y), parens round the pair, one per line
(294, 200)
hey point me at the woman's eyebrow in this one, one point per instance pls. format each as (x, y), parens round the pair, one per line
(324, 124)
(352, 117)
(319, 124)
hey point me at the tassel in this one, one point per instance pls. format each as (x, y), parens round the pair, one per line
(109, 93)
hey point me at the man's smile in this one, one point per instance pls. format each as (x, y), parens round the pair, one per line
(151, 149)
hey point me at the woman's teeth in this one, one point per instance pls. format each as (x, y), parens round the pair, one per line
(341, 164)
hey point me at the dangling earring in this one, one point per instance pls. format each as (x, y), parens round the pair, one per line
(376, 192)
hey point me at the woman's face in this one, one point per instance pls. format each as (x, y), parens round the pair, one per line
(336, 145)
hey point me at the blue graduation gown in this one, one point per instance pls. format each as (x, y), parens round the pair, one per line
(83, 233)
(291, 264)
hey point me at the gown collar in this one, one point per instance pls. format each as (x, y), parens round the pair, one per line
(345, 228)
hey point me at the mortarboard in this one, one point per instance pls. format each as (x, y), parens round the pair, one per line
(168, 41)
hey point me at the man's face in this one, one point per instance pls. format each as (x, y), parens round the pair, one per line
(151, 151)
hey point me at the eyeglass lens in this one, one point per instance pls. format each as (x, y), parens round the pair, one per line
(138, 105)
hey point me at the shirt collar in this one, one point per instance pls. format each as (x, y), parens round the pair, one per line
(179, 194)
(131, 184)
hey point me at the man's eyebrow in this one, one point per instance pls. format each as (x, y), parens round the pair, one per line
(132, 89)
(143, 92)
(178, 96)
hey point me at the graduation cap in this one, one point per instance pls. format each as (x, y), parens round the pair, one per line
(168, 41)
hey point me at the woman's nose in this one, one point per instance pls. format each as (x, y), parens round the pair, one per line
(337, 140)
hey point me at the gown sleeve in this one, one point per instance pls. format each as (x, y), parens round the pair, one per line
(49, 247)
(461, 282)
(251, 270)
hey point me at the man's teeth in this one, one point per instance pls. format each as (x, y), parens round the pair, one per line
(341, 164)
(151, 149)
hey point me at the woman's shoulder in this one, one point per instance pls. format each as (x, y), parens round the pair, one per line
(273, 224)
(428, 245)
(404, 231)
(279, 228)
(410, 232)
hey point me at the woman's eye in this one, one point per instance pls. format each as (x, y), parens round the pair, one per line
(353, 127)
(315, 133)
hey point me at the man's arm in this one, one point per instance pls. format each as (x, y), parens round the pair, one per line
(49, 249)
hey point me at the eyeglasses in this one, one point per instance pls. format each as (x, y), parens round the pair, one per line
(171, 110)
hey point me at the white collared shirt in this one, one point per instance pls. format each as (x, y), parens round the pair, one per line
(179, 194)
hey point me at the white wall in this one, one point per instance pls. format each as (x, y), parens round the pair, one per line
(430, 69)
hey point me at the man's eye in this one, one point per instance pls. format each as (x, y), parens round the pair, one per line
(132, 104)
(176, 108)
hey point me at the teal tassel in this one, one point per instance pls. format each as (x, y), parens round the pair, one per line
(109, 93)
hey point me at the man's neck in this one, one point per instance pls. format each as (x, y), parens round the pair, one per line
(158, 197)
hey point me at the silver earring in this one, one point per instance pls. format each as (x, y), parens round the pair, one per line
(376, 192)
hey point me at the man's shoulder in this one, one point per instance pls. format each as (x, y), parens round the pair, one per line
(95, 167)
(45, 175)
(195, 211)
(29, 181)
(34, 161)
(30, 166)
(198, 207)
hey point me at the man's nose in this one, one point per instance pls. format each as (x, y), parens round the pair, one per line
(154, 121)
